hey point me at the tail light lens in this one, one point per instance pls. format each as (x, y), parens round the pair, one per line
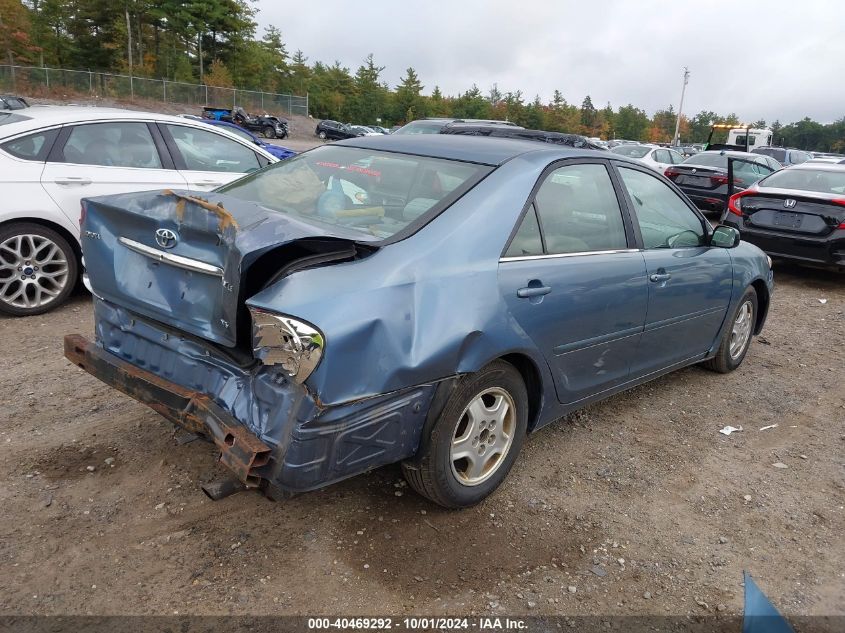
(720, 179)
(671, 173)
(735, 201)
(841, 202)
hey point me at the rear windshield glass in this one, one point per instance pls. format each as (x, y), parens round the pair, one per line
(376, 193)
(11, 117)
(708, 160)
(421, 127)
(777, 154)
(815, 180)
(631, 151)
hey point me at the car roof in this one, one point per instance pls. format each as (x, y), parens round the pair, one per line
(38, 116)
(473, 149)
(810, 166)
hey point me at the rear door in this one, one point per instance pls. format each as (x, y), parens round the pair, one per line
(103, 158)
(573, 282)
(207, 159)
(689, 283)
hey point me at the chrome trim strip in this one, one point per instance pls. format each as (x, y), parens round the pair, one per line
(168, 258)
(559, 255)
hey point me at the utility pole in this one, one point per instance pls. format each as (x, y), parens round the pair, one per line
(676, 139)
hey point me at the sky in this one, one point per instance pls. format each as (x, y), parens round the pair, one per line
(762, 59)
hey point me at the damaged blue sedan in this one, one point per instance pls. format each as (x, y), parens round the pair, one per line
(428, 300)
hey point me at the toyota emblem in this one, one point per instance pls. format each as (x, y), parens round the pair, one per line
(166, 238)
(789, 203)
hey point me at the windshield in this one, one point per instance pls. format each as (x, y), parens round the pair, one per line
(816, 180)
(374, 192)
(421, 127)
(631, 151)
(10, 117)
(238, 131)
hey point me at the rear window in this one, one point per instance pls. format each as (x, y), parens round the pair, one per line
(708, 160)
(8, 117)
(816, 180)
(631, 151)
(378, 193)
(421, 127)
(777, 154)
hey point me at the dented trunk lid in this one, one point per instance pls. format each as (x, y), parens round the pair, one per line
(181, 257)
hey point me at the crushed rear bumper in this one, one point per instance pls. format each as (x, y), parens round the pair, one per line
(240, 449)
(270, 431)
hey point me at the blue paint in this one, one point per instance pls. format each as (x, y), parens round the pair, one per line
(402, 317)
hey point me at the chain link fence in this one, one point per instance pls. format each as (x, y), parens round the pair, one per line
(60, 83)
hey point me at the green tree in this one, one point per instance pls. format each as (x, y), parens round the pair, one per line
(588, 115)
(408, 103)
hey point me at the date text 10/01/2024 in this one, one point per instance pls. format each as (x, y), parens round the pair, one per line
(418, 623)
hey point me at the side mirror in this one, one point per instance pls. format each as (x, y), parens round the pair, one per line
(725, 237)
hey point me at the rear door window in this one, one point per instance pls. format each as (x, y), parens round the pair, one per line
(114, 144)
(579, 212)
(32, 146)
(203, 150)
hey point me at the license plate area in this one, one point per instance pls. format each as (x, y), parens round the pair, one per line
(696, 181)
(787, 220)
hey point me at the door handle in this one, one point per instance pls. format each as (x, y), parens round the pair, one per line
(533, 291)
(72, 180)
(658, 277)
(208, 183)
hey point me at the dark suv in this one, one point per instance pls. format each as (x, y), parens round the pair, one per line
(328, 129)
(785, 156)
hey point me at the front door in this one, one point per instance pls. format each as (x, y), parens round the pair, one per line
(573, 284)
(689, 283)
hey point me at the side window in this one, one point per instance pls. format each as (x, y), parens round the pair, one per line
(32, 146)
(664, 218)
(117, 144)
(579, 212)
(676, 157)
(662, 156)
(207, 151)
(527, 240)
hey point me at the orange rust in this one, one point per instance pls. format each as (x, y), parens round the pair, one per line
(226, 219)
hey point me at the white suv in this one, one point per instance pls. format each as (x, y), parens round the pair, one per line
(53, 156)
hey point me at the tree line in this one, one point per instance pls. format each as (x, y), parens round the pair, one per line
(215, 42)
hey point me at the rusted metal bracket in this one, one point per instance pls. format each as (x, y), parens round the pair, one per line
(240, 450)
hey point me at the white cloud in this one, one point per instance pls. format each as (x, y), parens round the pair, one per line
(770, 59)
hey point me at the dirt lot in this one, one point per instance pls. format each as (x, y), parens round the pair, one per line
(638, 503)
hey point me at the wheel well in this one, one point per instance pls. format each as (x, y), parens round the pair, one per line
(762, 303)
(533, 384)
(58, 228)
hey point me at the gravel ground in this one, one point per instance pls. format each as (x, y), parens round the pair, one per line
(636, 505)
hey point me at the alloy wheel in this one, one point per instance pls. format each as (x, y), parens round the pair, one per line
(483, 436)
(741, 331)
(33, 271)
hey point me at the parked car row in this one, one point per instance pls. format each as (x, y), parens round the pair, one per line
(53, 156)
(329, 130)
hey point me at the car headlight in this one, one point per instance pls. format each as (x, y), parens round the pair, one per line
(282, 340)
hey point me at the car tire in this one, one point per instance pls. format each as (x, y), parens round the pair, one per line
(737, 336)
(469, 454)
(269, 132)
(322, 135)
(38, 269)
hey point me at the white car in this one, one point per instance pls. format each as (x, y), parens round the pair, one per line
(53, 156)
(656, 157)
